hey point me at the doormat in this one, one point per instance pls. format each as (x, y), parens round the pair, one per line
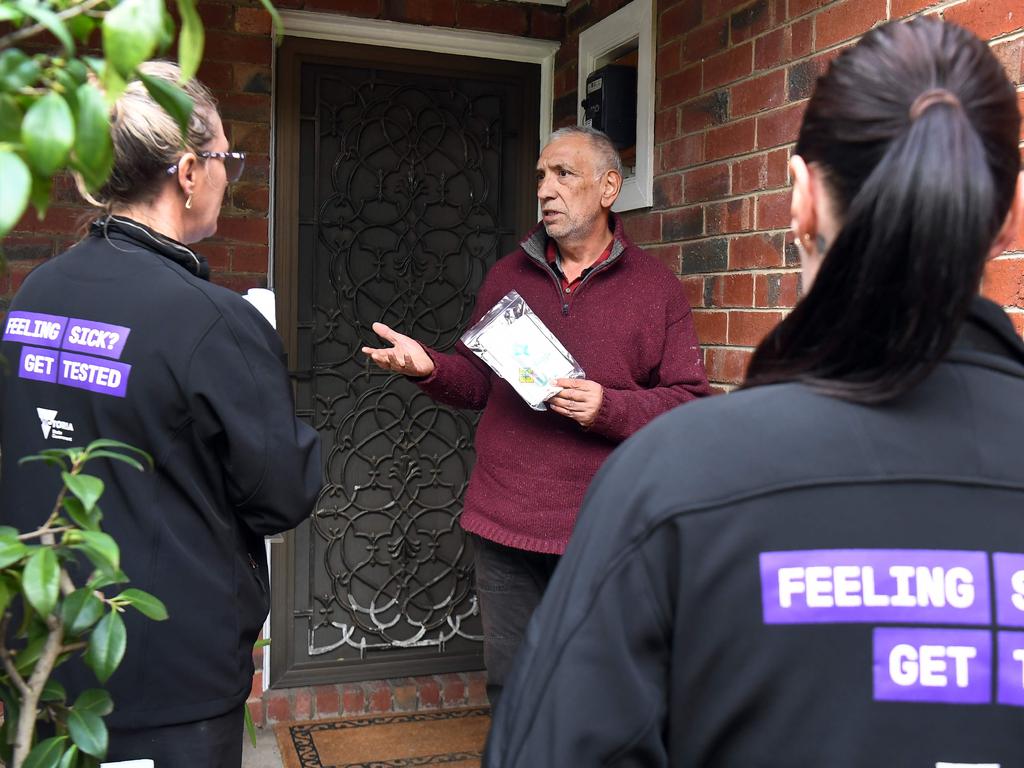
(453, 738)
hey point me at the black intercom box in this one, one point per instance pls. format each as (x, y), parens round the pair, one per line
(610, 103)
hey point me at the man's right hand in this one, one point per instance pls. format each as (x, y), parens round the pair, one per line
(405, 355)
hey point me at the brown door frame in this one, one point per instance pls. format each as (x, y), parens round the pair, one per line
(292, 55)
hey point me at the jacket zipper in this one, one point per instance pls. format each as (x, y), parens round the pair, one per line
(558, 287)
(603, 265)
(558, 283)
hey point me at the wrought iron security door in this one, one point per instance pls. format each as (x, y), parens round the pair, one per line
(413, 178)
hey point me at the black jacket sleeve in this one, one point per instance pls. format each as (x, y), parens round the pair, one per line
(589, 686)
(241, 402)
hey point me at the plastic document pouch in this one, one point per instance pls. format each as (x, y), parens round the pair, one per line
(521, 350)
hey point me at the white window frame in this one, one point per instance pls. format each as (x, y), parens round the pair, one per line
(633, 22)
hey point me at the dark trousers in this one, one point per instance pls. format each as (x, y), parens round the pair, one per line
(509, 585)
(213, 743)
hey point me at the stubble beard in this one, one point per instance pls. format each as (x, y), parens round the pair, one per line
(569, 228)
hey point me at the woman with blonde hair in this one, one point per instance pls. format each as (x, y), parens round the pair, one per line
(147, 351)
(826, 568)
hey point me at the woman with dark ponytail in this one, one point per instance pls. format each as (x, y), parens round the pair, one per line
(827, 567)
(904, 175)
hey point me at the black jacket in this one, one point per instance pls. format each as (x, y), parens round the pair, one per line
(191, 373)
(778, 578)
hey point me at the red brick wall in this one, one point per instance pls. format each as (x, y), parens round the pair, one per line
(732, 80)
(237, 67)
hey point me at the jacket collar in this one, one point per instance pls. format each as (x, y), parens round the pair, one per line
(987, 332)
(124, 228)
(536, 242)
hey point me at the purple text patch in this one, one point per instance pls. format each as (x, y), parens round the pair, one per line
(94, 338)
(94, 374)
(34, 328)
(1011, 668)
(951, 666)
(1009, 576)
(38, 364)
(827, 586)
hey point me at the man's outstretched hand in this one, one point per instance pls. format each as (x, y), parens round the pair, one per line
(579, 400)
(405, 355)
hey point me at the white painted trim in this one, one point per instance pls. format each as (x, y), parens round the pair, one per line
(456, 42)
(273, 175)
(631, 22)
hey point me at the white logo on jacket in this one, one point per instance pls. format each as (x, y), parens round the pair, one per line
(52, 427)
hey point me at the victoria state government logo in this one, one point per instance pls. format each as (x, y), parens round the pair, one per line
(53, 427)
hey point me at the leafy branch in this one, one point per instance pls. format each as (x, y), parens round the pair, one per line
(59, 619)
(55, 107)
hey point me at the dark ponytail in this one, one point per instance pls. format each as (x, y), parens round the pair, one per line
(921, 199)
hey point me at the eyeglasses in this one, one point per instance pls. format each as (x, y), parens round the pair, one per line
(234, 163)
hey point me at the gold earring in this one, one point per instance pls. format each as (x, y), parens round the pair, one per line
(188, 202)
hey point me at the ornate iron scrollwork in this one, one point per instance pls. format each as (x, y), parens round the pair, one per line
(406, 227)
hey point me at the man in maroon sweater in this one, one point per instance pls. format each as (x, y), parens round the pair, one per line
(623, 316)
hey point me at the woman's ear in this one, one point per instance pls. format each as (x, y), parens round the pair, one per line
(1012, 224)
(802, 206)
(188, 165)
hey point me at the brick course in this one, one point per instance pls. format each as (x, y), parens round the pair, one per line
(406, 694)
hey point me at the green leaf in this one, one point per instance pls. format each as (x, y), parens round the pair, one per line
(10, 119)
(86, 488)
(81, 27)
(119, 446)
(17, 186)
(5, 596)
(106, 646)
(7, 13)
(46, 754)
(40, 194)
(41, 581)
(11, 550)
(53, 691)
(167, 31)
(95, 700)
(68, 761)
(70, 92)
(10, 60)
(48, 19)
(52, 460)
(77, 69)
(263, 642)
(101, 549)
(80, 610)
(276, 18)
(250, 726)
(118, 457)
(17, 70)
(93, 147)
(190, 41)
(145, 603)
(101, 580)
(48, 132)
(131, 32)
(171, 98)
(88, 732)
(29, 655)
(90, 521)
